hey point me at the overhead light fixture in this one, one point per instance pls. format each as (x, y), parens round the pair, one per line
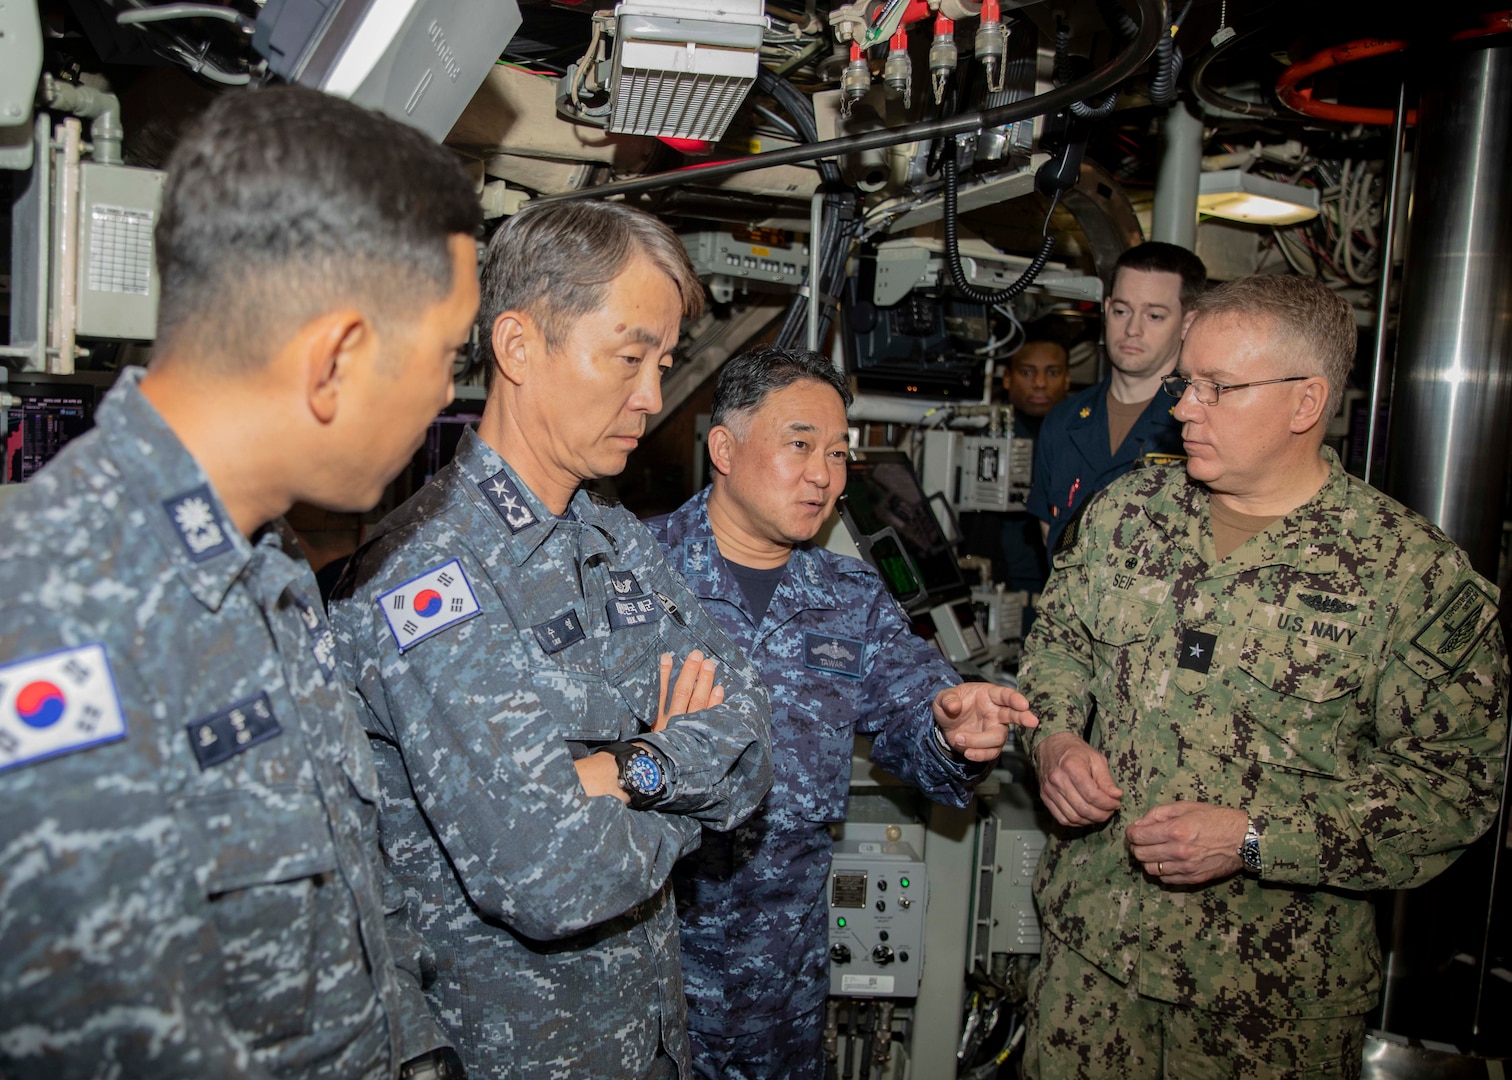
(1243, 196)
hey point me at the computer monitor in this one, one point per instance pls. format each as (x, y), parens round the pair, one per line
(896, 530)
(44, 419)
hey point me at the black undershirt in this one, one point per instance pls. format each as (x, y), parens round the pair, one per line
(757, 586)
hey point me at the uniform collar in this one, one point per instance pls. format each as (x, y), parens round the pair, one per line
(522, 521)
(1310, 536)
(183, 513)
(708, 574)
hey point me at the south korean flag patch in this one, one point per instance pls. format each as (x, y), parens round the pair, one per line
(424, 606)
(57, 703)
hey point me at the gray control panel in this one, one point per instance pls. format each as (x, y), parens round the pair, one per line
(878, 895)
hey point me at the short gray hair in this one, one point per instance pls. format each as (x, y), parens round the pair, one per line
(1312, 327)
(745, 382)
(555, 261)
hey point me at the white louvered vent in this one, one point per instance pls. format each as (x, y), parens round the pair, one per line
(682, 70)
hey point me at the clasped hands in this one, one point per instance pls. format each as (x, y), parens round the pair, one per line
(1180, 843)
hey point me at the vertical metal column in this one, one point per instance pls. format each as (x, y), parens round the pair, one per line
(1175, 214)
(1453, 392)
(1449, 436)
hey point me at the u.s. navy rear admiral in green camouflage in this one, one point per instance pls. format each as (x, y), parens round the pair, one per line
(1296, 691)
(504, 628)
(189, 874)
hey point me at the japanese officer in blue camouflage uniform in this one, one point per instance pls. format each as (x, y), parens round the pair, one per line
(507, 629)
(839, 659)
(188, 845)
(1297, 690)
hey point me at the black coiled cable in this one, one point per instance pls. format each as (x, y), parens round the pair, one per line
(953, 245)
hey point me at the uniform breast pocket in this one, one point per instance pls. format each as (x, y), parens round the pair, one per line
(1291, 699)
(585, 707)
(811, 764)
(263, 858)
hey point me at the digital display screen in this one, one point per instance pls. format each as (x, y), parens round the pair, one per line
(882, 492)
(44, 421)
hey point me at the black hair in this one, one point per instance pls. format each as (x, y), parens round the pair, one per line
(282, 202)
(745, 381)
(1156, 256)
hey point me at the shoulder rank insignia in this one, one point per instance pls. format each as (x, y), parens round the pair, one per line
(1329, 605)
(196, 517)
(57, 703)
(505, 497)
(424, 606)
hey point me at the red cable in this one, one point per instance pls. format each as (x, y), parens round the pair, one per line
(1300, 99)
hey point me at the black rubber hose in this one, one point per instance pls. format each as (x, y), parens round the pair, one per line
(1222, 104)
(1098, 82)
(953, 246)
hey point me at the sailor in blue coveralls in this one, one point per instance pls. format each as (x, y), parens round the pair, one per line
(839, 659)
(1123, 422)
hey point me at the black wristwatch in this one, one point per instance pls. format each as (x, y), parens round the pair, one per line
(441, 1063)
(1249, 851)
(642, 774)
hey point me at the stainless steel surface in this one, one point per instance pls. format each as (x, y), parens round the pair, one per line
(1174, 219)
(1453, 390)
(1383, 301)
(1389, 1058)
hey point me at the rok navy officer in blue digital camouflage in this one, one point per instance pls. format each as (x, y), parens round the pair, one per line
(1297, 693)
(506, 629)
(839, 659)
(189, 884)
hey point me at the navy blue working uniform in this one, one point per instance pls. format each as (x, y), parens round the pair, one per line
(493, 643)
(188, 839)
(839, 659)
(1072, 459)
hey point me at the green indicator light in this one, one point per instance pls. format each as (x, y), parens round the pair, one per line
(840, 922)
(903, 882)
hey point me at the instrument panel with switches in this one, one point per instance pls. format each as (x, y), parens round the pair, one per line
(878, 894)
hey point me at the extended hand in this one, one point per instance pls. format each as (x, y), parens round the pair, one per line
(1188, 843)
(1075, 781)
(975, 717)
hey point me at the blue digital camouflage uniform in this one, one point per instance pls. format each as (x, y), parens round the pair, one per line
(1072, 460)
(519, 641)
(187, 889)
(839, 659)
(1341, 678)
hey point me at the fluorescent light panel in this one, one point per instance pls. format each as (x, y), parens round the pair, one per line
(1242, 196)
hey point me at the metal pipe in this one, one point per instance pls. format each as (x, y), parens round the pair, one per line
(1112, 73)
(70, 135)
(1383, 302)
(1453, 390)
(1175, 215)
(816, 226)
(100, 107)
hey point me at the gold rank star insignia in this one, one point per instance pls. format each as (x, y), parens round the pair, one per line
(1086, 413)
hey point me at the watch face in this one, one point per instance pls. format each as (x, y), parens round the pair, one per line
(644, 774)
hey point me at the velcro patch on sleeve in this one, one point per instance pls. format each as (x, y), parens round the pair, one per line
(1451, 635)
(57, 703)
(426, 605)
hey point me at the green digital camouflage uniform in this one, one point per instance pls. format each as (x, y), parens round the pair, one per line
(1341, 678)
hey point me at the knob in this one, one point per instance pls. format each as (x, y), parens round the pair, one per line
(882, 935)
(882, 954)
(881, 886)
(903, 957)
(840, 954)
(881, 905)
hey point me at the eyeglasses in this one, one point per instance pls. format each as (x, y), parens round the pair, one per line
(1208, 391)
